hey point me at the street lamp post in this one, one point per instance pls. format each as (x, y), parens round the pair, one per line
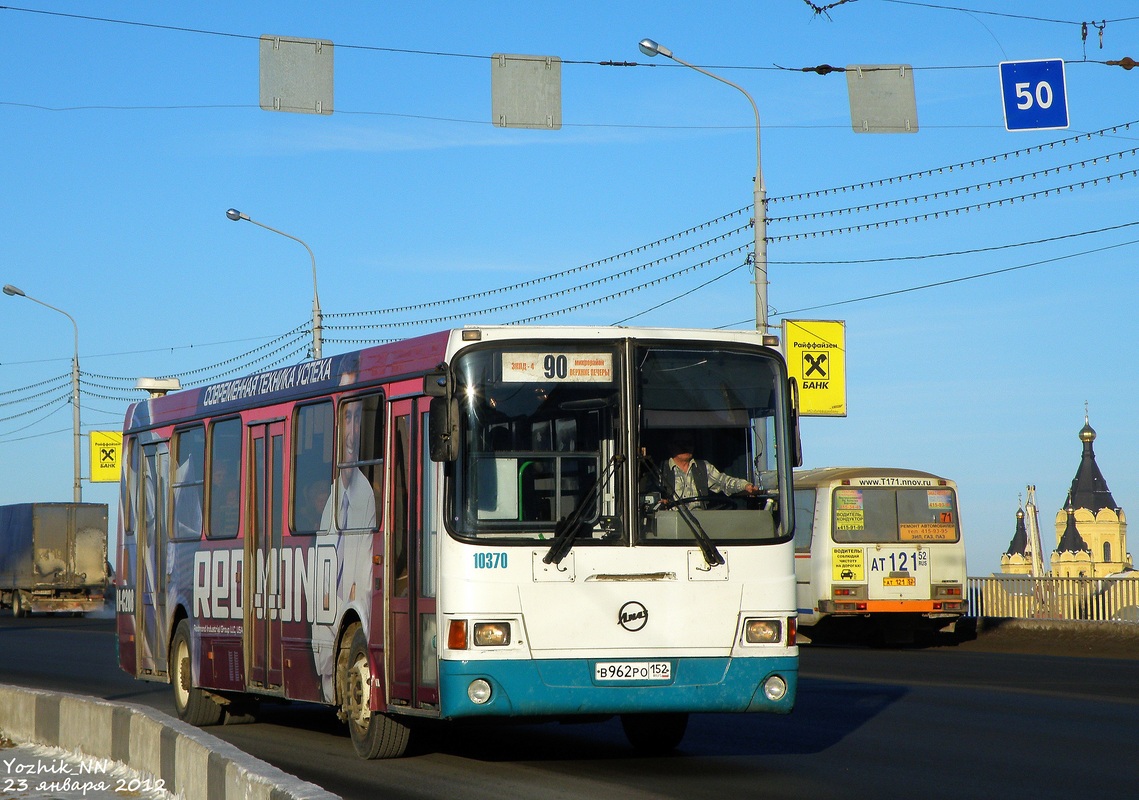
(236, 216)
(12, 291)
(759, 260)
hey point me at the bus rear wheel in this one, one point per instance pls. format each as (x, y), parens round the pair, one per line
(192, 704)
(374, 734)
(654, 734)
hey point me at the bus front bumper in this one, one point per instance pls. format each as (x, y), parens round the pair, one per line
(570, 687)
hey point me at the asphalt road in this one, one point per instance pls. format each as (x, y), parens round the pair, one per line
(1007, 714)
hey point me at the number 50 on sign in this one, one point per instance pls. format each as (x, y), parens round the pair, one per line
(1034, 95)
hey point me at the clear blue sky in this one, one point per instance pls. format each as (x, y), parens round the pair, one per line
(126, 138)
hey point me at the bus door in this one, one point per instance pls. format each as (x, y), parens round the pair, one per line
(411, 575)
(263, 554)
(806, 598)
(152, 567)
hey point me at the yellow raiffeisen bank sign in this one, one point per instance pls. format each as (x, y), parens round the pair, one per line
(816, 358)
(106, 455)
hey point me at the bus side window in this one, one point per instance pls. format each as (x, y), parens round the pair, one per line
(189, 482)
(360, 466)
(804, 519)
(224, 479)
(312, 465)
(130, 487)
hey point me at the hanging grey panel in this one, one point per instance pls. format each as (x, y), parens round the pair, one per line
(296, 75)
(882, 98)
(526, 91)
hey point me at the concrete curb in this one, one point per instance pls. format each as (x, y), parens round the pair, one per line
(1106, 635)
(1106, 629)
(188, 760)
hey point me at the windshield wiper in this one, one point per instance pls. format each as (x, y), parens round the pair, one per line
(567, 528)
(712, 554)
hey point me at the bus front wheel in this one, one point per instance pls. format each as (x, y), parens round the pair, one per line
(192, 704)
(654, 733)
(374, 734)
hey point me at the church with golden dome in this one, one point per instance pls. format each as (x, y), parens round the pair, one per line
(1091, 529)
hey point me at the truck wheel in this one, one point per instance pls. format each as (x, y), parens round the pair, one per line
(192, 704)
(374, 735)
(19, 604)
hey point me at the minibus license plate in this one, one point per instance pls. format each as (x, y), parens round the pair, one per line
(632, 671)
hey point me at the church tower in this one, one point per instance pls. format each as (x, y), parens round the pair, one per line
(1017, 560)
(1091, 530)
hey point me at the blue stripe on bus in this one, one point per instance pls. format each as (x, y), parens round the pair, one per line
(567, 687)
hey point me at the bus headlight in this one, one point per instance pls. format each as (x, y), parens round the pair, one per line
(775, 688)
(479, 692)
(763, 631)
(492, 634)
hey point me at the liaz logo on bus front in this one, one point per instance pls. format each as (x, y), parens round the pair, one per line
(633, 616)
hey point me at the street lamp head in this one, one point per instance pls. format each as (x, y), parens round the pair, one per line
(12, 291)
(651, 48)
(235, 215)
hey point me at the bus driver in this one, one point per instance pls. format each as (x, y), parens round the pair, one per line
(688, 477)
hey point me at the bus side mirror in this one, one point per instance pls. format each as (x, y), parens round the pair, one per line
(796, 439)
(435, 383)
(443, 429)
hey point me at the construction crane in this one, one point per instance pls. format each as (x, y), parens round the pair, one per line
(1032, 523)
(1041, 590)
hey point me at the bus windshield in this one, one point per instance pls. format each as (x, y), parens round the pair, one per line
(540, 424)
(723, 405)
(881, 515)
(546, 432)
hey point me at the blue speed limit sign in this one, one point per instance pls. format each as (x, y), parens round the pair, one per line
(1033, 94)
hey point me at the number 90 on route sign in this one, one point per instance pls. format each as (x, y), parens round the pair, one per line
(1034, 95)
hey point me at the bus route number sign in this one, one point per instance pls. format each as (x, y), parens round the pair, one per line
(1034, 95)
(557, 367)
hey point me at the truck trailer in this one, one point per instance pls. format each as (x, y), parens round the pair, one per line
(53, 557)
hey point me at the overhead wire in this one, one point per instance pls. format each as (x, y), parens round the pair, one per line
(1008, 14)
(946, 193)
(962, 279)
(950, 253)
(57, 379)
(1011, 199)
(959, 165)
(556, 275)
(550, 295)
(682, 295)
(60, 399)
(632, 290)
(50, 390)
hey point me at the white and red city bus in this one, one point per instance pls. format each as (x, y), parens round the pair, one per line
(464, 525)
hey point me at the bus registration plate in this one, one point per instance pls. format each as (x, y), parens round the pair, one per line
(899, 581)
(632, 671)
